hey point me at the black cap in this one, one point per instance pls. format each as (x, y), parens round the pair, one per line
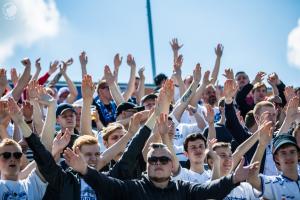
(282, 140)
(149, 96)
(64, 107)
(126, 106)
(159, 78)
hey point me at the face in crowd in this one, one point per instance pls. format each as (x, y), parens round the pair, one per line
(260, 94)
(103, 92)
(10, 159)
(225, 154)
(149, 104)
(67, 119)
(287, 158)
(196, 151)
(242, 79)
(159, 164)
(209, 95)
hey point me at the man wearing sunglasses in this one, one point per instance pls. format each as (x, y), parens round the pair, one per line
(157, 184)
(33, 187)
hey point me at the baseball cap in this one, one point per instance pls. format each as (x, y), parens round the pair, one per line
(64, 107)
(149, 96)
(62, 91)
(281, 140)
(127, 106)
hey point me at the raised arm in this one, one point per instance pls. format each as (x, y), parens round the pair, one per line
(175, 48)
(3, 81)
(120, 146)
(185, 99)
(130, 86)
(73, 90)
(83, 59)
(117, 64)
(177, 74)
(48, 131)
(215, 72)
(113, 87)
(22, 82)
(265, 136)
(272, 80)
(87, 91)
(163, 129)
(292, 114)
(210, 120)
(199, 92)
(38, 69)
(53, 67)
(141, 87)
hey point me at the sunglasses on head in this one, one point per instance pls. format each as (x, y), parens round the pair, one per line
(8, 155)
(153, 160)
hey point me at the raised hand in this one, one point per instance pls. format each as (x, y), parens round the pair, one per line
(43, 97)
(197, 73)
(259, 77)
(14, 111)
(14, 76)
(87, 88)
(210, 151)
(242, 173)
(3, 79)
(65, 65)
(219, 50)
(131, 61)
(273, 79)
(108, 76)
(141, 73)
(118, 62)
(266, 129)
(26, 62)
(206, 80)
(74, 160)
(192, 110)
(292, 109)
(53, 67)
(178, 63)
(38, 64)
(83, 59)
(228, 74)
(32, 90)
(175, 45)
(289, 93)
(162, 125)
(230, 88)
(134, 123)
(27, 110)
(60, 142)
(210, 114)
(165, 97)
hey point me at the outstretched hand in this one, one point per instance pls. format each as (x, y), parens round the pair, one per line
(242, 173)
(87, 88)
(60, 142)
(74, 160)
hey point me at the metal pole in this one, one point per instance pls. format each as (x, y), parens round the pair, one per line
(152, 54)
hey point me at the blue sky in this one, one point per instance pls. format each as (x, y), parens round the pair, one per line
(254, 34)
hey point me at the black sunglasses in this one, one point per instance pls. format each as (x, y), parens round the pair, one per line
(153, 160)
(7, 155)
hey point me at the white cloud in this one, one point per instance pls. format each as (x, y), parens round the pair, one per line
(294, 46)
(26, 22)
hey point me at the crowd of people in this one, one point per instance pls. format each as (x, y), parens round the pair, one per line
(189, 138)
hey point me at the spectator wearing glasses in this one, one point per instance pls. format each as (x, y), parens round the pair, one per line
(157, 184)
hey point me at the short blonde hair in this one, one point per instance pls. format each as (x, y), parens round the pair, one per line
(261, 104)
(258, 85)
(106, 132)
(8, 142)
(221, 145)
(85, 140)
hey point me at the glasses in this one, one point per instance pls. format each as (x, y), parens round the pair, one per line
(153, 160)
(8, 155)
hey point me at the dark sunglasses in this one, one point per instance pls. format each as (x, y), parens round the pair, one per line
(153, 160)
(8, 155)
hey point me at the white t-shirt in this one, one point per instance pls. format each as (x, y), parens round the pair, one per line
(280, 187)
(270, 167)
(191, 176)
(30, 188)
(242, 192)
(86, 192)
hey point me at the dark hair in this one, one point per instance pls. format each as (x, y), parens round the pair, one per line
(159, 78)
(193, 137)
(249, 119)
(240, 72)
